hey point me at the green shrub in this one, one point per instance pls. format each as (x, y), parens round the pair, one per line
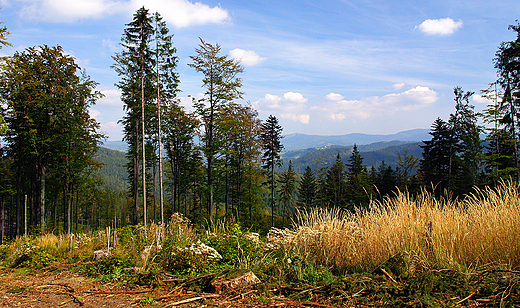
(32, 256)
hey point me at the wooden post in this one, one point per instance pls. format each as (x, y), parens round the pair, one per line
(108, 239)
(2, 217)
(25, 216)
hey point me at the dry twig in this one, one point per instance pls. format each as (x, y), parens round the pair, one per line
(193, 299)
(74, 298)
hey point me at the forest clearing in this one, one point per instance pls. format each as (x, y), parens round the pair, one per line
(404, 251)
(225, 220)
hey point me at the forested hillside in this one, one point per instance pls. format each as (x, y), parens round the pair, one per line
(372, 154)
(113, 170)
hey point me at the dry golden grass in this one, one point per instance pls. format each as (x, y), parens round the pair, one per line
(481, 229)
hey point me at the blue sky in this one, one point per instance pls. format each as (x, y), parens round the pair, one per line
(322, 67)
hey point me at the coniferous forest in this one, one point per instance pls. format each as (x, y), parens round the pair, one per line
(222, 169)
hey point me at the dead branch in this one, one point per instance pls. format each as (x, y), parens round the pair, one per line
(193, 299)
(242, 295)
(307, 291)
(74, 298)
(121, 292)
(465, 298)
(388, 275)
(69, 288)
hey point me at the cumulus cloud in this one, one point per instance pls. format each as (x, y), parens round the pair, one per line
(246, 57)
(334, 96)
(413, 99)
(443, 26)
(290, 106)
(180, 13)
(295, 97)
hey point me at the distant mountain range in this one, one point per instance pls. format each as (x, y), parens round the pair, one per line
(115, 145)
(293, 142)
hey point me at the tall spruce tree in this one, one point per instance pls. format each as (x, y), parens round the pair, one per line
(148, 83)
(436, 161)
(134, 64)
(287, 183)
(271, 139)
(359, 189)
(466, 148)
(167, 83)
(499, 149)
(507, 63)
(336, 183)
(307, 189)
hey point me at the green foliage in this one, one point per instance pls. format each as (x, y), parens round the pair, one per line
(3, 126)
(307, 189)
(111, 268)
(32, 256)
(292, 268)
(222, 85)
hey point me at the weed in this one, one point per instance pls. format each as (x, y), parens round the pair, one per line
(147, 301)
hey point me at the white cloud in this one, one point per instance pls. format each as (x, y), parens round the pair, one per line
(246, 57)
(334, 96)
(94, 113)
(413, 99)
(399, 86)
(67, 11)
(479, 99)
(295, 97)
(112, 130)
(112, 97)
(443, 26)
(180, 13)
(183, 13)
(291, 106)
(109, 125)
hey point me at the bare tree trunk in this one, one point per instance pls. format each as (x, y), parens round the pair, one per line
(2, 220)
(143, 148)
(42, 168)
(161, 202)
(136, 175)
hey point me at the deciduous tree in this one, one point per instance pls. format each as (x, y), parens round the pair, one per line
(222, 86)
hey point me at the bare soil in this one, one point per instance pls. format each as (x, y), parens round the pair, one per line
(69, 289)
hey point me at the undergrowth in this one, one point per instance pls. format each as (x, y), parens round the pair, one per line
(401, 252)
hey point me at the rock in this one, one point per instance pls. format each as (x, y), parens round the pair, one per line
(247, 280)
(98, 254)
(205, 251)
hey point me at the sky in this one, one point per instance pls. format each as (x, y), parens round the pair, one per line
(321, 67)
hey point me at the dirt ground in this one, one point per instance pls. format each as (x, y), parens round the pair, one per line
(68, 289)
